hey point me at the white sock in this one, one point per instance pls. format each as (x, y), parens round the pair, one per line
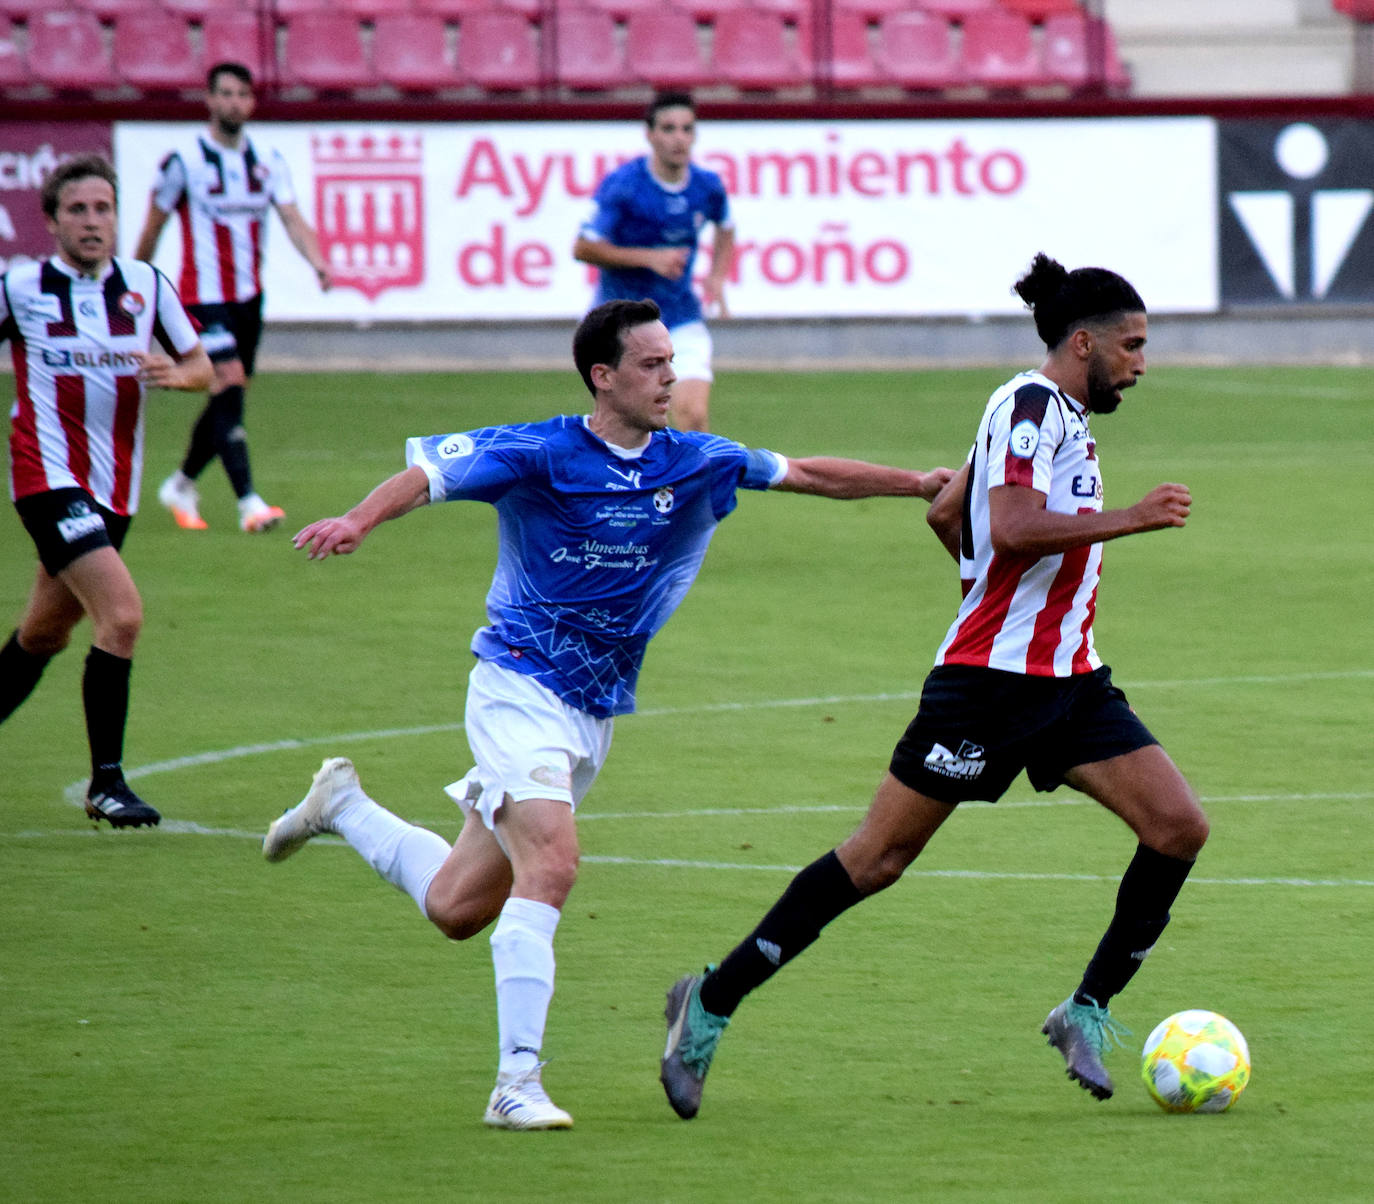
(405, 855)
(522, 954)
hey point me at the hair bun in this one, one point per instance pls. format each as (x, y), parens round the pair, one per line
(1045, 278)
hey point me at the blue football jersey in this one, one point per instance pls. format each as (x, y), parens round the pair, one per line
(596, 550)
(632, 209)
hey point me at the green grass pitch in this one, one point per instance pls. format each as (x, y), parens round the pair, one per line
(180, 1021)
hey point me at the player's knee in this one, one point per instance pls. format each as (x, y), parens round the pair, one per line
(118, 626)
(1184, 834)
(45, 638)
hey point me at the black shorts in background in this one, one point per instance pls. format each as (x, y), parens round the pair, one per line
(230, 330)
(67, 523)
(976, 729)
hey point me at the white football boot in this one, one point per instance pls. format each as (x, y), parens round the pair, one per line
(329, 794)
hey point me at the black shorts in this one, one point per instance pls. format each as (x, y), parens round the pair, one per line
(976, 729)
(67, 523)
(231, 330)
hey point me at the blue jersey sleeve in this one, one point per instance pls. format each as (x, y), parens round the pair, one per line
(480, 465)
(734, 466)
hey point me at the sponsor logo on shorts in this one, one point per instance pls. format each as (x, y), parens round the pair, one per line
(552, 775)
(966, 764)
(80, 522)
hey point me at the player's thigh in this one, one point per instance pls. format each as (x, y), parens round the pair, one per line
(50, 615)
(1149, 792)
(101, 582)
(472, 885)
(899, 823)
(540, 835)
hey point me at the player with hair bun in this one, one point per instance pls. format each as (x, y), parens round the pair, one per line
(1017, 684)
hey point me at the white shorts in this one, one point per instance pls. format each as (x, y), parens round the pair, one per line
(692, 351)
(527, 742)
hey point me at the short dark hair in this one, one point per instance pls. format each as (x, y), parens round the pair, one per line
(1061, 300)
(668, 100)
(71, 170)
(600, 336)
(237, 70)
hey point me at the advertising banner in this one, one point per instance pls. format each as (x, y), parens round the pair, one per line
(1295, 213)
(29, 150)
(881, 218)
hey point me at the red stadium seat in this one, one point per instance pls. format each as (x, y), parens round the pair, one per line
(108, 10)
(325, 51)
(874, 10)
(956, 10)
(709, 10)
(67, 51)
(1081, 51)
(236, 36)
(154, 51)
(750, 51)
(410, 51)
(851, 62)
(22, 10)
(918, 52)
(999, 51)
(620, 9)
(13, 69)
(792, 10)
(662, 48)
(497, 51)
(588, 55)
(191, 8)
(1039, 10)
(453, 10)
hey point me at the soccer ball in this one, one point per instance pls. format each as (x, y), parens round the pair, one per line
(1195, 1061)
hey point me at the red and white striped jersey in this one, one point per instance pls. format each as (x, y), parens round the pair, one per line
(1025, 614)
(78, 415)
(222, 197)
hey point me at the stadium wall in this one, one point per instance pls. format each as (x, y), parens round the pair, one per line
(886, 240)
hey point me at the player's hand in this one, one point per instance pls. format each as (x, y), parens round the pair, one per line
(328, 537)
(158, 371)
(934, 481)
(668, 262)
(713, 298)
(1166, 505)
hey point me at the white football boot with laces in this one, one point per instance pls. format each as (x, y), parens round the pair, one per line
(330, 792)
(520, 1102)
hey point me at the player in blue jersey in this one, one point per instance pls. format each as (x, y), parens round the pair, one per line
(642, 235)
(603, 523)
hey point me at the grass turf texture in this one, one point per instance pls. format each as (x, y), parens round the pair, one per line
(185, 1022)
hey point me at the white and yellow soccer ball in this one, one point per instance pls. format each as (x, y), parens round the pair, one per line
(1195, 1061)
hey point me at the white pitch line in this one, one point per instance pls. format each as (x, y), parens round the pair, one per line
(75, 791)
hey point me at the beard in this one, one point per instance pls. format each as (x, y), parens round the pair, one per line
(1103, 394)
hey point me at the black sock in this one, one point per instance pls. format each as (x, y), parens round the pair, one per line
(19, 673)
(105, 692)
(813, 898)
(231, 441)
(202, 446)
(1148, 889)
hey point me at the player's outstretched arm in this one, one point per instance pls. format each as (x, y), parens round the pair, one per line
(395, 496)
(829, 476)
(946, 514)
(1022, 526)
